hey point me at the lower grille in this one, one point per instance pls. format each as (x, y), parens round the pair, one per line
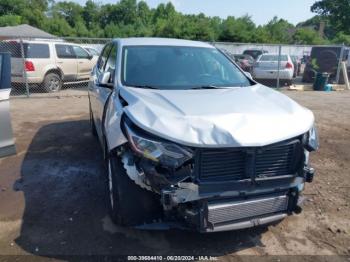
(219, 213)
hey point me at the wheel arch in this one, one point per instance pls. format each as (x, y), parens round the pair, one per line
(56, 71)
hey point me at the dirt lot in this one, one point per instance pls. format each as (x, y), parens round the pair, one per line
(52, 193)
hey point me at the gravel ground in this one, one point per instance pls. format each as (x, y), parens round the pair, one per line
(53, 203)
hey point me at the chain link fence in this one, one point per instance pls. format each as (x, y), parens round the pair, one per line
(287, 65)
(41, 67)
(60, 66)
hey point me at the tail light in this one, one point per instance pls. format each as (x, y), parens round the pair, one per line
(29, 66)
(289, 65)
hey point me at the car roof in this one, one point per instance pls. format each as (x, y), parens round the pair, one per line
(154, 41)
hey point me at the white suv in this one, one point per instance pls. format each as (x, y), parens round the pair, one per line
(48, 63)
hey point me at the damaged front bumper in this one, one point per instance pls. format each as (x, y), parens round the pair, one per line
(245, 205)
(222, 206)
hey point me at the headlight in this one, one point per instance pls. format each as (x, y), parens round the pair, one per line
(310, 139)
(167, 154)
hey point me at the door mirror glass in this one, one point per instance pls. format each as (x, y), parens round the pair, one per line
(104, 79)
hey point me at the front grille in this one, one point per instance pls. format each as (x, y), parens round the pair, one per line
(275, 161)
(222, 164)
(243, 163)
(219, 213)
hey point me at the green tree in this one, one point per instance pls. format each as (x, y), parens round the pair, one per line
(307, 36)
(237, 29)
(337, 11)
(10, 20)
(342, 38)
(280, 31)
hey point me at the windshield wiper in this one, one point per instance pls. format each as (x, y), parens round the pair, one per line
(144, 86)
(205, 87)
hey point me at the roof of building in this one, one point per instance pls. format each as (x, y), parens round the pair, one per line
(23, 30)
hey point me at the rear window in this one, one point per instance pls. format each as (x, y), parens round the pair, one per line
(267, 58)
(36, 51)
(253, 53)
(30, 50)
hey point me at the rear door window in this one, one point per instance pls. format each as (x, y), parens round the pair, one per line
(64, 51)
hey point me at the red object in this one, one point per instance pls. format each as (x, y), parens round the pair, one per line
(29, 66)
(289, 65)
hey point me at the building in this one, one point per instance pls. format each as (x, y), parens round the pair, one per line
(24, 30)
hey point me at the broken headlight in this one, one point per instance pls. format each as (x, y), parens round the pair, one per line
(310, 139)
(165, 153)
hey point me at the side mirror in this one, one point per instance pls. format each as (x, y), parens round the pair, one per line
(90, 56)
(249, 75)
(104, 79)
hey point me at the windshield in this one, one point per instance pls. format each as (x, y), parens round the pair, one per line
(166, 67)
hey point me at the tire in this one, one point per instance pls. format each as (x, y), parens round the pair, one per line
(92, 123)
(129, 204)
(52, 83)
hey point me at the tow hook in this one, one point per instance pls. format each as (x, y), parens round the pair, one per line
(309, 174)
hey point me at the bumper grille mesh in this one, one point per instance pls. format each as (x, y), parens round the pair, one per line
(237, 164)
(274, 161)
(232, 211)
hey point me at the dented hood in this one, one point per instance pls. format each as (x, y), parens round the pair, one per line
(231, 117)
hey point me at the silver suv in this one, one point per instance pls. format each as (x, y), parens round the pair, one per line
(48, 63)
(192, 142)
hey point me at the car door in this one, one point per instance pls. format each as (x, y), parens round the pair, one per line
(100, 93)
(7, 144)
(85, 62)
(66, 61)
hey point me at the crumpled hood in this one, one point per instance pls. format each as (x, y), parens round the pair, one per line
(248, 116)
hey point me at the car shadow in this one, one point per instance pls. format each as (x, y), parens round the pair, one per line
(63, 182)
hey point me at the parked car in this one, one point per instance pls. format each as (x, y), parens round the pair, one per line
(266, 68)
(325, 59)
(48, 63)
(297, 65)
(255, 53)
(191, 142)
(246, 62)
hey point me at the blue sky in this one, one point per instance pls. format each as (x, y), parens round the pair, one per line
(261, 11)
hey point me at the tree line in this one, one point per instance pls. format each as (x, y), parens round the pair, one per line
(128, 18)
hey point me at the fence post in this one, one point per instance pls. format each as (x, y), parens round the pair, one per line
(337, 78)
(279, 66)
(24, 72)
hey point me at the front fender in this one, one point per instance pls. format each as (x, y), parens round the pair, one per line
(112, 123)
